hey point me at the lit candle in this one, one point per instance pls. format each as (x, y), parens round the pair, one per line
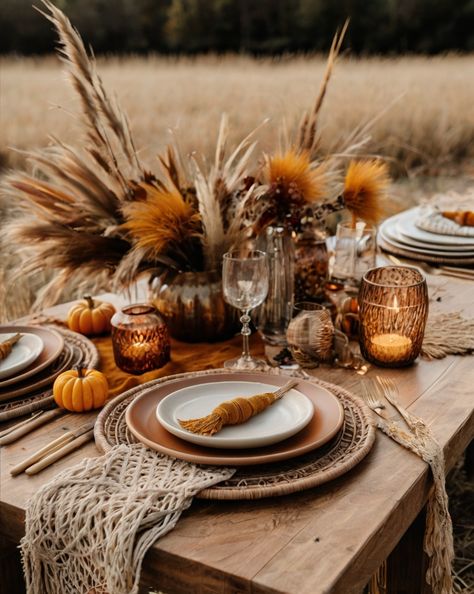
(389, 348)
(140, 339)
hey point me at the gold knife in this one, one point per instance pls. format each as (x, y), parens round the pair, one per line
(55, 450)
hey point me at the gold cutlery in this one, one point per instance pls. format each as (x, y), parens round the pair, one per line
(390, 391)
(20, 429)
(60, 447)
(20, 424)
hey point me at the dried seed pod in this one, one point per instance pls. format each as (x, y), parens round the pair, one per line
(311, 334)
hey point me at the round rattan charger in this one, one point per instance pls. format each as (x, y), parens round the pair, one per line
(324, 464)
(77, 350)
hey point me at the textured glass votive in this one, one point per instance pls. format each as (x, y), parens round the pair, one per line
(140, 339)
(393, 307)
(355, 251)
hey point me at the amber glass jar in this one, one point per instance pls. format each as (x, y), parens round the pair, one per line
(140, 339)
(311, 271)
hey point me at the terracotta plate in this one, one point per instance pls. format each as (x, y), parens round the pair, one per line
(44, 378)
(23, 353)
(53, 344)
(327, 420)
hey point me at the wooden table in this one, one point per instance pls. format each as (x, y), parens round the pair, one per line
(327, 540)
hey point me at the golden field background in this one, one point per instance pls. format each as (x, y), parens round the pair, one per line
(427, 132)
(429, 128)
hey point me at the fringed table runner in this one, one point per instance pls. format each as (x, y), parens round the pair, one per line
(448, 334)
(438, 538)
(88, 530)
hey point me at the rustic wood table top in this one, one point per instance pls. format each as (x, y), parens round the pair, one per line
(328, 539)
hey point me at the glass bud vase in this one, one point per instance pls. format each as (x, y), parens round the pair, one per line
(276, 313)
(311, 263)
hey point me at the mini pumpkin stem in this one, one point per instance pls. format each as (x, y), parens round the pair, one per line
(354, 221)
(80, 371)
(90, 301)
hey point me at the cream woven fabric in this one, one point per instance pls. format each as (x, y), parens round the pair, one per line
(89, 529)
(432, 220)
(448, 334)
(438, 538)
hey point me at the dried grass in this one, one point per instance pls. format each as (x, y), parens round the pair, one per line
(431, 126)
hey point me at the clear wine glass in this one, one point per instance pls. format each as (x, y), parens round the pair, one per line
(245, 286)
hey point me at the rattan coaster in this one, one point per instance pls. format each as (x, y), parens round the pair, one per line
(77, 350)
(337, 457)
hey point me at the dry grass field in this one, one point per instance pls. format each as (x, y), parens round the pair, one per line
(428, 128)
(424, 110)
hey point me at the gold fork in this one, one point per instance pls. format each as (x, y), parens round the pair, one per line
(371, 399)
(389, 390)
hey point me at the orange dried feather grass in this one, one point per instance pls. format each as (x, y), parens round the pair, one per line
(364, 189)
(161, 221)
(292, 175)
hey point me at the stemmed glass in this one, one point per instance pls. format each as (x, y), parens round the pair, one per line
(245, 286)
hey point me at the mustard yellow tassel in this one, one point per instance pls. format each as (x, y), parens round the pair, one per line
(235, 411)
(7, 345)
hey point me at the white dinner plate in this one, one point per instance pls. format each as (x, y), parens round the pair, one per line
(392, 232)
(434, 250)
(406, 224)
(281, 420)
(23, 353)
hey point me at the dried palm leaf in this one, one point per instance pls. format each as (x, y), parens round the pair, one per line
(217, 193)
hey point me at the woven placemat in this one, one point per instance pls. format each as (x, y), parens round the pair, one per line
(84, 352)
(342, 453)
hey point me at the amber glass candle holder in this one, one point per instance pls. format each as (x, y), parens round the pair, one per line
(393, 307)
(140, 339)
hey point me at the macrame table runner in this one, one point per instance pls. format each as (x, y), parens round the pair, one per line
(438, 538)
(448, 334)
(341, 454)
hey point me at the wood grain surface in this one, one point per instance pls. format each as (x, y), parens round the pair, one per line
(326, 540)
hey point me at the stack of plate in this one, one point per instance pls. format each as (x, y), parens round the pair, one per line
(304, 419)
(402, 235)
(28, 372)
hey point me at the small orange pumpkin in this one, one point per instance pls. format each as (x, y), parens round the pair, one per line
(90, 316)
(80, 390)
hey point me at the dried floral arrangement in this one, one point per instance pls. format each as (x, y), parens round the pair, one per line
(98, 218)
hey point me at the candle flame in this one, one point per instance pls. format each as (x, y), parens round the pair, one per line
(395, 306)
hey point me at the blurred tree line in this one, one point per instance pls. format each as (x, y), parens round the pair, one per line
(255, 26)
